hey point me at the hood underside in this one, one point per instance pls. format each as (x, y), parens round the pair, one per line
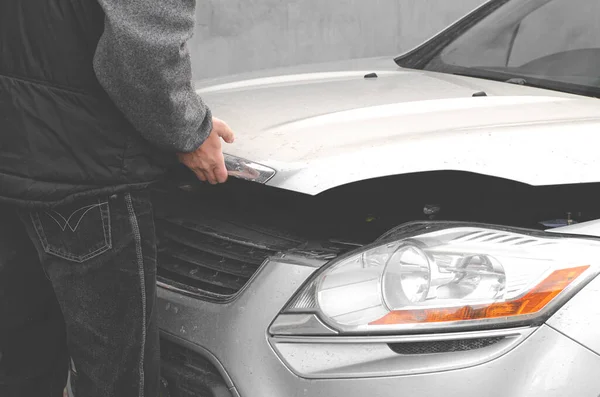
(327, 125)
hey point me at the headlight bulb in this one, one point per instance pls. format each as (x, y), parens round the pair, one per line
(406, 278)
(476, 277)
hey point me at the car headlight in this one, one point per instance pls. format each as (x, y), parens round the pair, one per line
(447, 276)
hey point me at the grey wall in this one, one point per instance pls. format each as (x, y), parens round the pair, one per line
(243, 35)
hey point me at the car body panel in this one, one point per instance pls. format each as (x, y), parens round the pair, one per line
(323, 126)
(579, 319)
(234, 335)
(591, 228)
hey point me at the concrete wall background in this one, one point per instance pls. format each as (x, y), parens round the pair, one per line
(236, 36)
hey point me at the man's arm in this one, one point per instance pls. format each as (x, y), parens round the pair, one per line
(143, 63)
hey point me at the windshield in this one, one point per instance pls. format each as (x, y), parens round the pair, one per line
(552, 44)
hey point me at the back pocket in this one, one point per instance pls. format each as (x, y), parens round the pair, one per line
(76, 232)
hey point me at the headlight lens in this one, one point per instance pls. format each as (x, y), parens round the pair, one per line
(450, 277)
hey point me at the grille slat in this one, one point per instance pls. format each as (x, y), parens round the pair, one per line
(207, 260)
(197, 288)
(198, 275)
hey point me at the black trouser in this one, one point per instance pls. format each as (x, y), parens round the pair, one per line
(79, 281)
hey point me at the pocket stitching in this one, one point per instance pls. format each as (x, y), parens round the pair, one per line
(71, 257)
(105, 216)
(67, 222)
(106, 225)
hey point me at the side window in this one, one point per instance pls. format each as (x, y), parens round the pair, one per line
(559, 26)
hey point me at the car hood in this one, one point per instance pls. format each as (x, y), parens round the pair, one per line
(326, 125)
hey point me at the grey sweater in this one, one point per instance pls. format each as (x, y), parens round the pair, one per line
(143, 63)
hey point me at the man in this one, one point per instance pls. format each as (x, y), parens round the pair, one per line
(96, 100)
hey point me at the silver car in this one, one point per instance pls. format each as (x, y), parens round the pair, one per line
(428, 227)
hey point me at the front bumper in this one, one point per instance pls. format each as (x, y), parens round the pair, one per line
(234, 337)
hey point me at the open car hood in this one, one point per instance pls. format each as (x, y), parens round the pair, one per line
(326, 125)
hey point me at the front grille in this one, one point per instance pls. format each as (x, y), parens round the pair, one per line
(444, 346)
(208, 250)
(185, 373)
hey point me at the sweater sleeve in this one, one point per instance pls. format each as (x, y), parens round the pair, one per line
(143, 63)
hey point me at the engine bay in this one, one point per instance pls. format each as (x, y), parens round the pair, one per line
(360, 212)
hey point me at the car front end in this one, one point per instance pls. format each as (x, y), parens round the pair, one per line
(256, 299)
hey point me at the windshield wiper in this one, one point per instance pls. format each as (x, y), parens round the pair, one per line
(505, 77)
(493, 75)
(517, 80)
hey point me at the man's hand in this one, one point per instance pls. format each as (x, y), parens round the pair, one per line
(207, 161)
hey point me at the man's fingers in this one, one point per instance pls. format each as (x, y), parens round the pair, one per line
(210, 177)
(217, 174)
(200, 174)
(220, 173)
